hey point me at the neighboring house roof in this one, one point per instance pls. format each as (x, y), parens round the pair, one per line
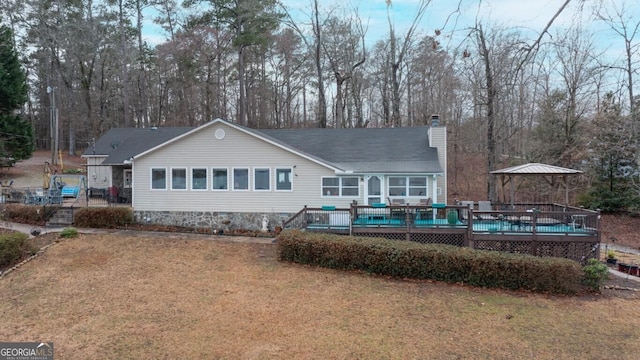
(357, 150)
(536, 169)
(121, 144)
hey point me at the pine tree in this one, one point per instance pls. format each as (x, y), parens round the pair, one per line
(16, 134)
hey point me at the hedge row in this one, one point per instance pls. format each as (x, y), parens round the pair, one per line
(13, 246)
(26, 214)
(108, 217)
(404, 259)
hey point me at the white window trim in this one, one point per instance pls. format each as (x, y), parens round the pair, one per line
(124, 175)
(166, 174)
(206, 176)
(186, 179)
(340, 186)
(233, 178)
(268, 178)
(212, 176)
(275, 177)
(408, 186)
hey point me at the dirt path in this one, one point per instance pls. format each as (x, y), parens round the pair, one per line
(30, 172)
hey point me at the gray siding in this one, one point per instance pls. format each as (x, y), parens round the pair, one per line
(98, 176)
(201, 149)
(438, 139)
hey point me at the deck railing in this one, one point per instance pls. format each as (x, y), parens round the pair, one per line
(547, 229)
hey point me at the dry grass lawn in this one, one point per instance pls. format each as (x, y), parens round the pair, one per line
(117, 297)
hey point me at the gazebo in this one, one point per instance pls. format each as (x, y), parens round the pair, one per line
(555, 176)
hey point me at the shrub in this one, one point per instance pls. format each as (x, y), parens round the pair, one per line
(69, 232)
(431, 261)
(595, 274)
(13, 247)
(111, 217)
(26, 214)
(72, 171)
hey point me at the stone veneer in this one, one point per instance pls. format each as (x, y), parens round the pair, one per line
(226, 221)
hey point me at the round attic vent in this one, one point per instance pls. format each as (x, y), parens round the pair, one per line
(220, 134)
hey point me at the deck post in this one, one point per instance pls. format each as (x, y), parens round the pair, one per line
(407, 221)
(470, 241)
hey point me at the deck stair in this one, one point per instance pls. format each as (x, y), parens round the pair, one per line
(62, 217)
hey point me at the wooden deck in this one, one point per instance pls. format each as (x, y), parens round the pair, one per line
(545, 230)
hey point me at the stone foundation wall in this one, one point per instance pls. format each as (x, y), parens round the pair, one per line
(225, 221)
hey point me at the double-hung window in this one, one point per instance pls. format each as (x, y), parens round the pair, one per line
(240, 179)
(199, 179)
(261, 179)
(178, 179)
(159, 179)
(407, 186)
(340, 186)
(283, 179)
(219, 179)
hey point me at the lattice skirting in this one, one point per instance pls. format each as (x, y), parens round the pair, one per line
(570, 250)
(425, 238)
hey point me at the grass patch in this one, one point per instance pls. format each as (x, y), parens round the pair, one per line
(157, 297)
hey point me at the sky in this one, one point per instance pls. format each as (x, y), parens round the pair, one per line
(527, 16)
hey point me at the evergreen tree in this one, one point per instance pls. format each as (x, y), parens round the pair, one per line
(16, 134)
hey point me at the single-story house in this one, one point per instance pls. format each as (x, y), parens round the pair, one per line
(223, 175)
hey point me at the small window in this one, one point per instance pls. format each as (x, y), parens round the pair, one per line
(343, 186)
(350, 186)
(397, 186)
(220, 179)
(417, 186)
(178, 179)
(261, 178)
(127, 178)
(159, 179)
(240, 179)
(283, 179)
(331, 186)
(199, 179)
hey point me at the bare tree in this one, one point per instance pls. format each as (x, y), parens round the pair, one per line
(398, 52)
(617, 16)
(344, 48)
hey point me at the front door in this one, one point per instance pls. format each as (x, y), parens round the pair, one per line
(374, 189)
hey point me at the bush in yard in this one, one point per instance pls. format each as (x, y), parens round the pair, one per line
(69, 232)
(595, 274)
(26, 214)
(431, 261)
(13, 247)
(111, 217)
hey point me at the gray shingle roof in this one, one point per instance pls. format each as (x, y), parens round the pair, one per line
(384, 150)
(365, 149)
(121, 144)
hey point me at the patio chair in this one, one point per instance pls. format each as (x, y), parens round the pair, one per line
(425, 202)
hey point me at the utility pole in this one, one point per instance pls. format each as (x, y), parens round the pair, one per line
(53, 124)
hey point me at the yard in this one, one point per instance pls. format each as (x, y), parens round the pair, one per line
(163, 296)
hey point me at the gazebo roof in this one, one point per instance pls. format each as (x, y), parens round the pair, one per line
(536, 169)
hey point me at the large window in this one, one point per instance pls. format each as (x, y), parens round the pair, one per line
(340, 186)
(220, 179)
(240, 179)
(159, 179)
(261, 179)
(178, 179)
(283, 179)
(407, 186)
(199, 179)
